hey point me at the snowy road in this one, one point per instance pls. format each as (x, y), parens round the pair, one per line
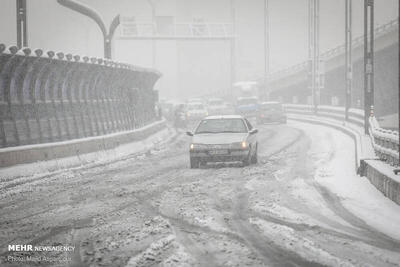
(152, 209)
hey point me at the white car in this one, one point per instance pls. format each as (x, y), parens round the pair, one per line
(217, 106)
(195, 111)
(223, 139)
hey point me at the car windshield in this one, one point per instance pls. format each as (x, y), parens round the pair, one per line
(247, 101)
(221, 126)
(195, 106)
(272, 106)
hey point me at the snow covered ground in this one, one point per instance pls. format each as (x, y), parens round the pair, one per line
(334, 157)
(301, 205)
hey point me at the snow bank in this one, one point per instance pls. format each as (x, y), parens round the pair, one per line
(335, 171)
(43, 168)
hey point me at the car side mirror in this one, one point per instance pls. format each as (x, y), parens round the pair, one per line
(253, 131)
(189, 133)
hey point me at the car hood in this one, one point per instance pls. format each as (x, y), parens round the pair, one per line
(219, 138)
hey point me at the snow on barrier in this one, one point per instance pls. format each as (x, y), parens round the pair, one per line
(385, 143)
(12, 156)
(356, 116)
(52, 97)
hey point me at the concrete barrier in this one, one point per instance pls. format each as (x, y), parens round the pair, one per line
(41, 152)
(382, 178)
(378, 172)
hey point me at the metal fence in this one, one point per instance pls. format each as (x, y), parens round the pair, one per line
(385, 142)
(48, 97)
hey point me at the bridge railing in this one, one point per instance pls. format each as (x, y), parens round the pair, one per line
(48, 96)
(385, 142)
(358, 41)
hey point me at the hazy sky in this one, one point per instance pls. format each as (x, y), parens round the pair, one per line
(190, 67)
(288, 20)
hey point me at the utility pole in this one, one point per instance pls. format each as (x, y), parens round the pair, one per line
(22, 38)
(313, 52)
(397, 170)
(348, 63)
(233, 48)
(91, 13)
(368, 61)
(266, 49)
(153, 41)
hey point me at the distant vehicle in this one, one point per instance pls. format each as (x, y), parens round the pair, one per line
(179, 116)
(271, 112)
(247, 106)
(167, 109)
(228, 138)
(217, 106)
(195, 111)
(194, 100)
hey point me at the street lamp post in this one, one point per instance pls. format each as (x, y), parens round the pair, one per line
(368, 61)
(22, 39)
(266, 48)
(233, 47)
(91, 13)
(348, 63)
(314, 74)
(153, 41)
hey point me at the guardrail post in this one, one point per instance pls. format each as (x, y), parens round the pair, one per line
(6, 77)
(103, 90)
(129, 102)
(109, 89)
(77, 78)
(100, 98)
(69, 92)
(20, 75)
(123, 99)
(34, 91)
(45, 95)
(53, 94)
(94, 98)
(61, 92)
(83, 89)
(3, 60)
(91, 98)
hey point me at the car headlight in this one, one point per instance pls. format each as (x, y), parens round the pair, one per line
(240, 145)
(245, 144)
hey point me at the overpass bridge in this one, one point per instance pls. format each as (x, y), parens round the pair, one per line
(291, 84)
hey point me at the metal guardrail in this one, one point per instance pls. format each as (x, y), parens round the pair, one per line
(356, 116)
(385, 142)
(48, 97)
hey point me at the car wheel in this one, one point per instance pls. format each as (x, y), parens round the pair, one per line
(254, 158)
(194, 163)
